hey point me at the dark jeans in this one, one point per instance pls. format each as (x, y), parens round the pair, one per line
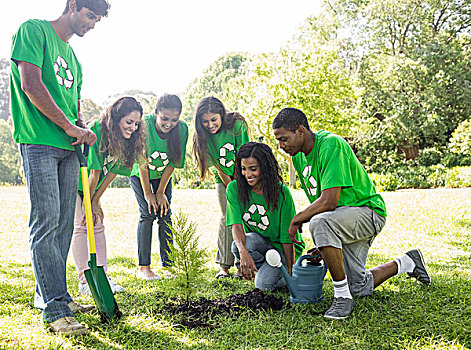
(146, 221)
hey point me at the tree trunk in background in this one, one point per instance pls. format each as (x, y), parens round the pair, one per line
(410, 151)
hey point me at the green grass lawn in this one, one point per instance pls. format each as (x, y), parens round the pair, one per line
(400, 315)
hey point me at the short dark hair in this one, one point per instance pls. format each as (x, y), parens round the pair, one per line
(99, 7)
(290, 119)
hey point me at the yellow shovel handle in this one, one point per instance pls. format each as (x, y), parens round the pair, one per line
(88, 210)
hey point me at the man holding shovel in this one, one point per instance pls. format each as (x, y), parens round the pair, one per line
(345, 214)
(46, 80)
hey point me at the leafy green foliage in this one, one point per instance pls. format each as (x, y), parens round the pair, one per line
(415, 72)
(460, 142)
(188, 257)
(4, 88)
(10, 161)
(418, 176)
(89, 109)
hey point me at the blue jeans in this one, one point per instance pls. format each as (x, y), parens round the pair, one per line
(146, 221)
(52, 179)
(267, 277)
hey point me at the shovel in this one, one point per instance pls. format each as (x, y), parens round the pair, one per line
(96, 276)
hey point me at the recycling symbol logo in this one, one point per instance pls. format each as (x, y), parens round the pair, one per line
(224, 151)
(158, 161)
(108, 163)
(309, 180)
(255, 216)
(63, 73)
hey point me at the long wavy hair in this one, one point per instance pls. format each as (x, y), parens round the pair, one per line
(209, 104)
(270, 172)
(113, 143)
(172, 103)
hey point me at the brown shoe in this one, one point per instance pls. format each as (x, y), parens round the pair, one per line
(77, 308)
(68, 326)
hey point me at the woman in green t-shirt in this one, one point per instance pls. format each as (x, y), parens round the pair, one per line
(120, 142)
(260, 209)
(217, 138)
(166, 138)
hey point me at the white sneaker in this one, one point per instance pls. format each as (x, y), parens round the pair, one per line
(115, 287)
(84, 288)
(140, 274)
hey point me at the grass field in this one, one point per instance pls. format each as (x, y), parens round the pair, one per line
(400, 315)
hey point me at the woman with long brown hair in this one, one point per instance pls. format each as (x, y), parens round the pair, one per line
(120, 143)
(217, 138)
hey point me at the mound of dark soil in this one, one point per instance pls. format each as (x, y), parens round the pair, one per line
(198, 313)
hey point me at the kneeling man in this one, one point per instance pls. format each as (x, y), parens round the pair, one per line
(346, 213)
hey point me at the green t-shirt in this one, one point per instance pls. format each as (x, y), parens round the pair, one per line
(332, 163)
(36, 42)
(97, 160)
(223, 146)
(157, 148)
(272, 225)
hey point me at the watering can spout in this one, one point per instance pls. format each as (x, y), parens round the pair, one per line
(290, 282)
(274, 259)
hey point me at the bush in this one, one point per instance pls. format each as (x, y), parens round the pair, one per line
(429, 156)
(459, 147)
(120, 182)
(384, 182)
(458, 177)
(422, 177)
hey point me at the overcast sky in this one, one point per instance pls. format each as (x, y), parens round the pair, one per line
(161, 46)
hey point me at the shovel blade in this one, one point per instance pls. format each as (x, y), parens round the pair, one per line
(101, 291)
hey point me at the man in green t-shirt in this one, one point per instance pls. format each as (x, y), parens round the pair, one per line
(46, 80)
(345, 214)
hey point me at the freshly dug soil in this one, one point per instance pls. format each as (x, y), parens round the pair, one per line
(198, 313)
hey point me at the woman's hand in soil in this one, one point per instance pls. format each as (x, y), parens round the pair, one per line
(247, 266)
(151, 203)
(162, 203)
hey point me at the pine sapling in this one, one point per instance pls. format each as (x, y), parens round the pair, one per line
(188, 257)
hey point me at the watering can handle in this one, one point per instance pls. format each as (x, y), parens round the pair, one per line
(306, 257)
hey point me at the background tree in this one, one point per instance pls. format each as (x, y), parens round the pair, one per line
(415, 72)
(10, 161)
(90, 109)
(4, 88)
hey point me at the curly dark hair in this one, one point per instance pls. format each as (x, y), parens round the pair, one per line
(209, 104)
(270, 171)
(126, 151)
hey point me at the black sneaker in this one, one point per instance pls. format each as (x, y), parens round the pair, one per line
(419, 272)
(341, 308)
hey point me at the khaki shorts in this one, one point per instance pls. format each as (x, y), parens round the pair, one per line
(351, 229)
